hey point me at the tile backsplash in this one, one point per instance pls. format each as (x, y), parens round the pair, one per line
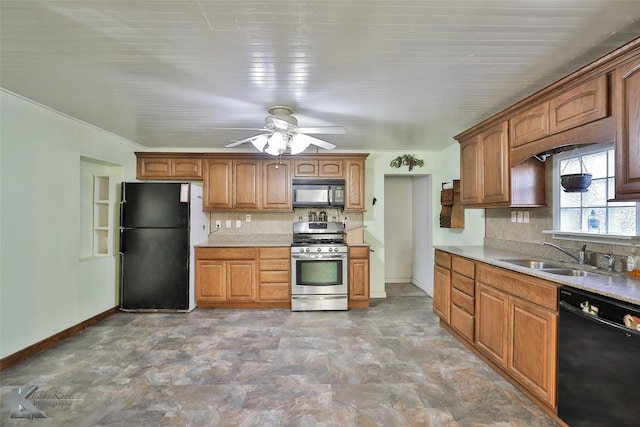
(274, 222)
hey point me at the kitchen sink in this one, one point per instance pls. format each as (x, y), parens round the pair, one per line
(531, 263)
(567, 272)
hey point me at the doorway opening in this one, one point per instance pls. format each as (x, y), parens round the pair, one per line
(408, 238)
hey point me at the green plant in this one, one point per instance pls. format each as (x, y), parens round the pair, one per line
(408, 160)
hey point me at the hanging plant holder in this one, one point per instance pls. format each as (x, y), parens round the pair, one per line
(576, 182)
(408, 160)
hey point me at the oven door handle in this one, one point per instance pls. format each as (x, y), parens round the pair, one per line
(323, 257)
(317, 297)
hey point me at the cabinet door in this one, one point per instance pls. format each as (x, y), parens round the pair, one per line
(211, 281)
(470, 178)
(305, 168)
(442, 292)
(354, 183)
(241, 279)
(186, 168)
(578, 106)
(533, 348)
(626, 84)
(491, 323)
(217, 184)
(359, 278)
(495, 164)
(246, 184)
(529, 125)
(153, 167)
(330, 168)
(276, 185)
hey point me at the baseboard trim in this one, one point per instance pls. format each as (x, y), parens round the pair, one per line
(46, 343)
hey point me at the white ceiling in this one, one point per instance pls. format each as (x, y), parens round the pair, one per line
(397, 74)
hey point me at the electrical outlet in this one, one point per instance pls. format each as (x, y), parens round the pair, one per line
(218, 224)
(228, 223)
(238, 223)
(248, 218)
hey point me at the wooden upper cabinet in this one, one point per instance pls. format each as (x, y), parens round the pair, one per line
(495, 160)
(529, 125)
(311, 168)
(484, 163)
(246, 183)
(168, 167)
(354, 182)
(580, 105)
(626, 87)
(470, 178)
(218, 184)
(276, 185)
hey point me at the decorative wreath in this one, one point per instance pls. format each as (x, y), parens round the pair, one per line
(407, 160)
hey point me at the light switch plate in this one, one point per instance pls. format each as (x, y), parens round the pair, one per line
(520, 217)
(238, 223)
(514, 215)
(228, 223)
(525, 217)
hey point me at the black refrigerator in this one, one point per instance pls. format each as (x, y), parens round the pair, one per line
(159, 224)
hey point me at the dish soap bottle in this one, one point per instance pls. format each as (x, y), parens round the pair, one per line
(593, 222)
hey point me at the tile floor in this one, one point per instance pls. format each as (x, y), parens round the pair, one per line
(390, 365)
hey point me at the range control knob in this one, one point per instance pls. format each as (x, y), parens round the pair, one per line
(330, 249)
(319, 249)
(307, 250)
(335, 249)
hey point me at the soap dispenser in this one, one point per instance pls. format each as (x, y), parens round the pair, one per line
(593, 222)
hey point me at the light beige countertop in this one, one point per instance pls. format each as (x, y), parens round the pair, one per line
(614, 285)
(235, 240)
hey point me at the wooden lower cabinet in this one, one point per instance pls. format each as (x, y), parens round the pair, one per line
(225, 276)
(243, 277)
(359, 277)
(274, 284)
(517, 334)
(513, 316)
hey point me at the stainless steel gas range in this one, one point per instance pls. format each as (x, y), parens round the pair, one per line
(319, 267)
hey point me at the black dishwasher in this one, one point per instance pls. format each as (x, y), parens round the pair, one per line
(598, 361)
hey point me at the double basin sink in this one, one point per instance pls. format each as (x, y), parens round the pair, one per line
(548, 267)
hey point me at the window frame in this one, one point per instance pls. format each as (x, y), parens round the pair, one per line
(557, 192)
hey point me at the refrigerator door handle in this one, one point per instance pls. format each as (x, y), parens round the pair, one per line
(121, 277)
(121, 243)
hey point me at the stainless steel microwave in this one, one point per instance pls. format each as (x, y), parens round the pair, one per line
(318, 193)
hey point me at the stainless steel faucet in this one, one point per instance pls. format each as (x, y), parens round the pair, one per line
(611, 260)
(581, 255)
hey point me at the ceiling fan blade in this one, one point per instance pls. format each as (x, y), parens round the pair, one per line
(253, 129)
(315, 141)
(242, 141)
(326, 130)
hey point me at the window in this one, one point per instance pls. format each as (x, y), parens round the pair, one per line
(617, 218)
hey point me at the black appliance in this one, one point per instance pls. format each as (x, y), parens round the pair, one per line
(159, 222)
(318, 193)
(598, 361)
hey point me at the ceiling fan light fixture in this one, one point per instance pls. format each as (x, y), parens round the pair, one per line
(298, 144)
(276, 144)
(260, 141)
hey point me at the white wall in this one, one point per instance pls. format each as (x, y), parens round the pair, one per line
(398, 231)
(441, 166)
(422, 272)
(45, 286)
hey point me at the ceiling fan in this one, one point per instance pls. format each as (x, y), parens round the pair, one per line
(281, 133)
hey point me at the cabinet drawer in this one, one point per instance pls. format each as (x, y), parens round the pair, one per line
(463, 301)
(360, 252)
(275, 265)
(274, 292)
(274, 277)
(226, 253)
(443, 259)
(463, 284)
(529, 288)
(275, 252)
(462, 322)
(463, 266)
